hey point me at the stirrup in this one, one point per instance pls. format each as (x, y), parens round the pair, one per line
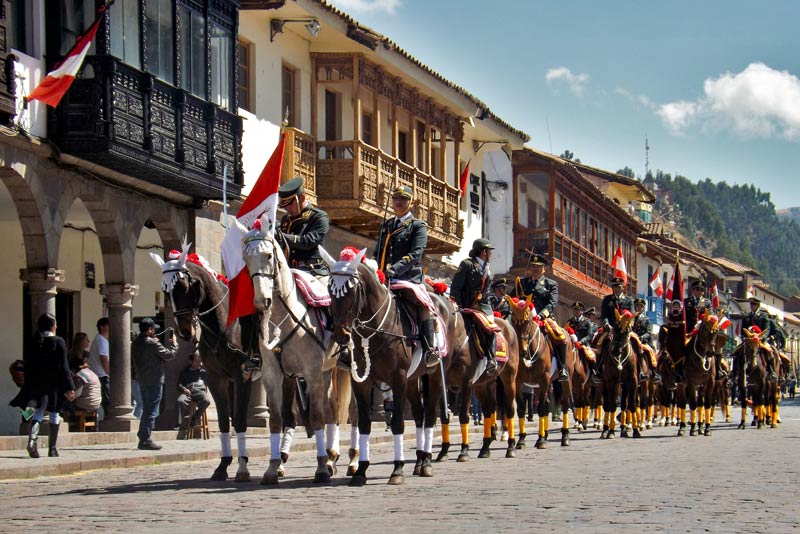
(432, 358)
(344, 358)
(563, 375)
(491, 365)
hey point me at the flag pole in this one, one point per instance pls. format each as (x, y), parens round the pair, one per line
(225, 195)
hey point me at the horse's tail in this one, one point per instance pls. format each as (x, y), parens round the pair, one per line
(343, 393)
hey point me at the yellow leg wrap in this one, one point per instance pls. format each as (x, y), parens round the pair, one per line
(510, 427)
(465, 434)
(565, 420)
(612, 421)
(446, 433)
(727, 410)
(597, 412)
(487, 427)
(623, 418)
(578, 414)
(541, 426)
(692, 416)
(547, 424)
(709, 416)
(635, 418)
(521, 425)
(682, 414)
(769, 411)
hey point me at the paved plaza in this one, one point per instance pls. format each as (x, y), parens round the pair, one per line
(733, 481)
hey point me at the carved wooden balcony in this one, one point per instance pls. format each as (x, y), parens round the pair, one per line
(131, 122)
(353, 183)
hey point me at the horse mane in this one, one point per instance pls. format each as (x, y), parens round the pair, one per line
(214, 292)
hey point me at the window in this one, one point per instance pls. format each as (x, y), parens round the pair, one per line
(159, 24)
(366, 128)
(534, 203)
(76, 17)
(125, 31)
(244, 77)
(288, 90)
(221, 48)
(402, 146)
(19, 19)
(193, 51)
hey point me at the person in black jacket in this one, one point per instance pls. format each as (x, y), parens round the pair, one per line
(760, 317)
(643, 330)
(303, 229)
(48, 381)
(192, 388)
(695, 305)
(470, 289)
(498, 298)
(402, 240)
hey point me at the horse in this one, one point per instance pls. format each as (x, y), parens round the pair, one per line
(199, 300)
(751, 366)
(620, 369)
(293, 344)
(699, 376)
(365, 308)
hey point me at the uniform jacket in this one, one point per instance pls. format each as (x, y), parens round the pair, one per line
(641, 327)
(47, 374)
(583, 329)
(470, 286)
(695, 307)
(500, 304)
(612, 302)
(759, 318)
(303, 234)
(545, 294)
(149, 356)
(400, 249)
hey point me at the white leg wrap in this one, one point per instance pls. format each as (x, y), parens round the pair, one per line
(354, 436)
(363, 448)
(428, 447)
(225, 444)
(319, 436)
(286, 440)
(275, 446)
(241, 443)
(332, 436)
(420, 439)
(398, 448)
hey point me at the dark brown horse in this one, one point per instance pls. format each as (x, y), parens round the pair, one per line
(699, 376)
(620, 370)
(750, 362)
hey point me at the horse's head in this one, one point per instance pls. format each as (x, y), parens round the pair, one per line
(261, 255)
(521, 310)
(184, 290)
(346, 286)
(753, 338)
(624, 322)
(707, 331)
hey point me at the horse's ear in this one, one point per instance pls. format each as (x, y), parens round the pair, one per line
(360, 256)
(184, 253)
(617, 314)
(266, 224)
(528, 300)
(326, 257)
(157, 258)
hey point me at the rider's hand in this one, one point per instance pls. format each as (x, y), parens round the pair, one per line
(389, 274)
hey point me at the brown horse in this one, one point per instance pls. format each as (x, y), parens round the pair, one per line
(750, 362)
(620, 369)
(699, 376)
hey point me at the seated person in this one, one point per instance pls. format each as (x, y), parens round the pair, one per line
(192, 388)
(88, 391)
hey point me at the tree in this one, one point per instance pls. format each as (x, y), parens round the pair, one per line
(627, 171)
(568, 155)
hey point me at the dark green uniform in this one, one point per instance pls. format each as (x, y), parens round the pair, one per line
(500, 305)
(470, 286)
(545, 294)
(583, 329)
(612, 302)
(695, 307)
(400, 248)
(759, 318)
(641, 327)
(303, 235)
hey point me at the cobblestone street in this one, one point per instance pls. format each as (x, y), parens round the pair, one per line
(733, 481)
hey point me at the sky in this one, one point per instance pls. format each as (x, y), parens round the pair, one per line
(713, 85)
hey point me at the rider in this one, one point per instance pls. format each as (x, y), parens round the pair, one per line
(760, 318)
(497, 298)
(470, 290)
(618, 301)
(641, 327)
(544, 292)
(303, 229)
(401, 243)
(584, 328)
(695, 305)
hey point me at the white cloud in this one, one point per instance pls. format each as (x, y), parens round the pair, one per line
(387, 6)
(576, 83)
(642, 100)
(757, 102)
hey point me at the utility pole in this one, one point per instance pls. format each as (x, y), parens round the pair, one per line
(646, 157)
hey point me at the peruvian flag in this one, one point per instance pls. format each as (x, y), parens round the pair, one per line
(462, 182)
(671, 282)
(55, 85)
(655, 284)
(618, 263)
(263, 198)
(714, 295)
(724, 323)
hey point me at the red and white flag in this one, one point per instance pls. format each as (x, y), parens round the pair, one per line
(714, 295)
(262, 199)
(462, 182)
(655, 284)
(55, 85)
(671, 282)
(618, 263)
(724, 323)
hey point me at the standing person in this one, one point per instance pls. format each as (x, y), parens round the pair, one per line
(192, 388)
(99, 362)
(498, 298)
(470, 290)
(79, 350)
(149, 356)
(47, 382)
(401, 243)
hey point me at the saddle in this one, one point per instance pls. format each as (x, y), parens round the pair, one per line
(484, 322)
(588, 353)
(314, 292)
(418, 290)
(553, 331)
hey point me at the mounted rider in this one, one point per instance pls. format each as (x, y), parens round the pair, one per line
(760, 317)
(584, 330)
(497, 298)
(401, 243)
(544, 294)
(643, 330)
(303, 229)
(470, 290)
(695, 305)
(618, 302)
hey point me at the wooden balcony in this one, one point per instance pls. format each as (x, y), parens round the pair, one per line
(127, 120)
(352, 182)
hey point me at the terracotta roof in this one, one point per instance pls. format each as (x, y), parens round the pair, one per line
(388, 44)
(620, 179)
(736, 267)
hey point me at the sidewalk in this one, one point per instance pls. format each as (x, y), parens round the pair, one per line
(120, 451)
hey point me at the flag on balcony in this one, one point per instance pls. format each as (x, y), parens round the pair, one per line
(714, 295)
(263, 198)
(618, 263)
(655, 284)
(462, 182)
(57, 82)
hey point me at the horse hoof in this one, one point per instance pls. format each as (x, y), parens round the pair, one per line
(269, 480)
(395, 480)
(624, 433)
(426, 471)
(220, 475)
(565, 441)
(351, 470)
(322, 477)
(637, 434)
(242, 477)
(510, 453)
(485, 453)
(649, 425)
(604, 434)
(357, 480)
(520, 445)
(611, 435)
(741, 426)
(442, 457)
(541, 443)
(331, 466)
(681, 432)
(707, 432)
(728, 419)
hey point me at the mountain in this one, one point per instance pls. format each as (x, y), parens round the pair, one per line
(789, 213)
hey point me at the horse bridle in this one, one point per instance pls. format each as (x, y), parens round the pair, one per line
(620, 360)
(357, 324)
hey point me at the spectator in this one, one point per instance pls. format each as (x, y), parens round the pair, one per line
(47, 382)
(87, 385)
(192, 388)
(78, 351)
(149, 356)
(99, 362)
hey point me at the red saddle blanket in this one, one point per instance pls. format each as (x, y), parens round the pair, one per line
(486, 323)
(314, 292)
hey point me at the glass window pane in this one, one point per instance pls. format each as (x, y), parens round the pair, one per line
(125, 32)
(221, 45)
(160, 51)
(193, 52)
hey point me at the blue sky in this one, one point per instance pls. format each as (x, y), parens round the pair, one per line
(713, 84)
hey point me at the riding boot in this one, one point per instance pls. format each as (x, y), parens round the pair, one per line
(560, 350)
(491, 349)
(640, 361)
(53, 440)
(427, 328)
(251, 364)
(33, 436)
(771, 370)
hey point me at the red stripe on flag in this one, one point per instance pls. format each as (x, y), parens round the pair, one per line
(462, 182)
(51, 90)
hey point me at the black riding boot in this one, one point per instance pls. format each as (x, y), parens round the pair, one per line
(33, 435)
(491, 350)
(641, 364)
(251, 364)
(427, 329)
(771, 370)
(560, 350)
(53, 440)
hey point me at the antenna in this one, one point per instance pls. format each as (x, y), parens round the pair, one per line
(548, 134)
(646, 156)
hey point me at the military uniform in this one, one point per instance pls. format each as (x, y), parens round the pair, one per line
(612, 302)
(302, 236)
(544, 292)
(583, 329)
(641, 327)
(759, 318)
(695, 307)
(401, 244)
(499, 302)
